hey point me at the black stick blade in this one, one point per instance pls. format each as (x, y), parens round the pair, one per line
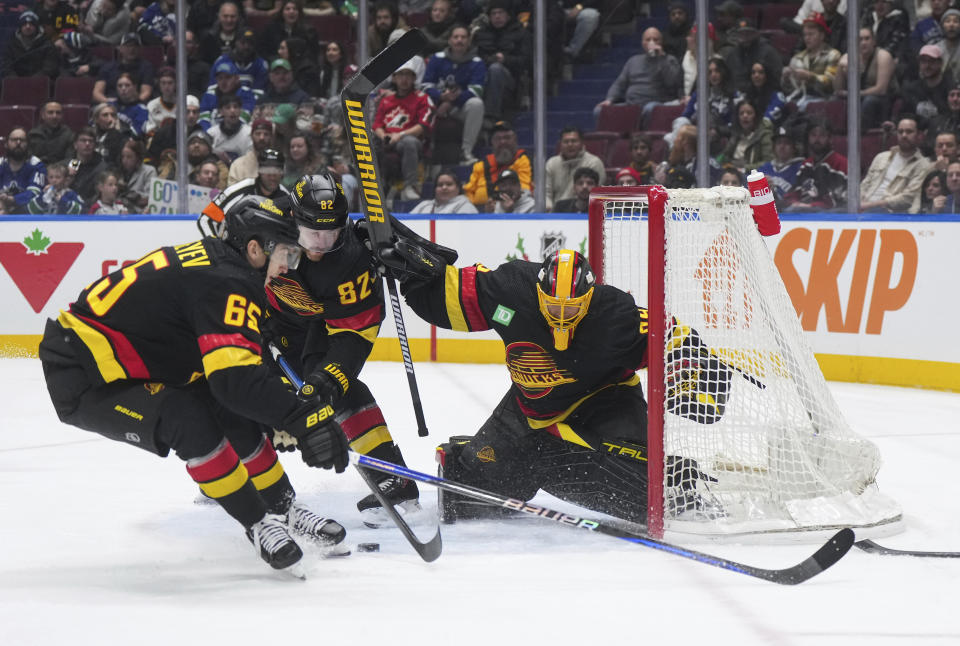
(873, 548)
(381, 66)
(429, 551)
(831, 552)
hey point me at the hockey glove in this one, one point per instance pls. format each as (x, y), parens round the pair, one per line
(283, 441)
(698, 383)
(320, 439)
(410, 262)
(325, 386)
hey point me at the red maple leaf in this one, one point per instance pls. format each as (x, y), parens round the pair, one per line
(37, 267)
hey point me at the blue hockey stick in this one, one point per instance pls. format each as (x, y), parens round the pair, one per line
(429, 550)
(828, 554)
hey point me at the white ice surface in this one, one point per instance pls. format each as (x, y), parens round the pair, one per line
(100, 543)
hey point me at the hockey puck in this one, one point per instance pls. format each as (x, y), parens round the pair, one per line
(368, 547)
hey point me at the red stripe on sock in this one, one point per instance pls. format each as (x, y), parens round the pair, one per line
(218, 465)
(359, 423)
(262, 459)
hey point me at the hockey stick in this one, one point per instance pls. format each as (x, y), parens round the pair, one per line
(827, 555)
(353, 97)
(428, 551)
(873, 548)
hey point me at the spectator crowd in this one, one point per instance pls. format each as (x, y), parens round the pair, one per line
(264, 78)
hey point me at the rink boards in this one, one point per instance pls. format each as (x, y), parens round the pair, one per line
(874, 294)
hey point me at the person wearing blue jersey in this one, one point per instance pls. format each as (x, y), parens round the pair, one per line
(227, 82)
(57, 198)
(781, 171)
(22, 176)
(251, 67)
(454, 80)
(158, 23)
(131, 112)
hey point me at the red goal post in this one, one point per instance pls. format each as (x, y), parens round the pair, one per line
(779, 457)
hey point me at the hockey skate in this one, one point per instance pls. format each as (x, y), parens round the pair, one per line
(404, 495)
(326, 533)
(274, 544)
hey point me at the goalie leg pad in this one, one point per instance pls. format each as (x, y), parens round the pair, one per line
(453, 507)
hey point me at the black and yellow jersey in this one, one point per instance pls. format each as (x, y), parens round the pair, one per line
(339, 298)
(606, 348)
(179, 314)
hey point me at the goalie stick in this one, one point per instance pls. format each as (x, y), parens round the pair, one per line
(828, 554)
(873, 548)
(429, 550)
(352, 98)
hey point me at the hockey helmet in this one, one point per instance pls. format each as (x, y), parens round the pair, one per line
(564, 290)
(320, 209)
(270, 158)
(250, 217)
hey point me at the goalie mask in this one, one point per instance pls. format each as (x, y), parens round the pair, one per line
(564, 290)
(320, 209)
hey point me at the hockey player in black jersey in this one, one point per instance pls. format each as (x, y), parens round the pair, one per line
(326, 315)
(572, 351)
(166, 354)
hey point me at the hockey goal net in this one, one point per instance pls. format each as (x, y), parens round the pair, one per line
(781, 457)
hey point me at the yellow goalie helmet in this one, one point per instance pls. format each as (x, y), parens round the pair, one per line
(564, 290)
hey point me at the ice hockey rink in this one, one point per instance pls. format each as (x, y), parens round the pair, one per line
(101, 543)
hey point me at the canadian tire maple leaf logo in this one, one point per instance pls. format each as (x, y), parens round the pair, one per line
(37, 266)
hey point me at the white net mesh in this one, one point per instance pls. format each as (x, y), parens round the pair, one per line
(756, 413)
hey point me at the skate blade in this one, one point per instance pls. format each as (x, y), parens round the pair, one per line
(205, 500)
(376, 517)
(334, 551)
(295, 571)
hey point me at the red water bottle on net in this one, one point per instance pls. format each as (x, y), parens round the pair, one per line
(761, 201)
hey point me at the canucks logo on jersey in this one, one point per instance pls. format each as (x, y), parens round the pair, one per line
(533, 369)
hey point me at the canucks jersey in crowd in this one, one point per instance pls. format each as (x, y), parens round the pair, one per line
(56, 202)
(25, 183)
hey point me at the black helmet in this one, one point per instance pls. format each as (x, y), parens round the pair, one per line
(564, 290)
(249, 217)
(270, 157)
(318, 202)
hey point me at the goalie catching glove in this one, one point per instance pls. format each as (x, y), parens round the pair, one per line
(698, 383)
(319, 438)
(409, 256)
(407, 261)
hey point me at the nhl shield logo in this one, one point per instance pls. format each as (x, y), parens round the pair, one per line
(551, 242)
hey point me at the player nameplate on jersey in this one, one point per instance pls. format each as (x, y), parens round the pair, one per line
(503, 315)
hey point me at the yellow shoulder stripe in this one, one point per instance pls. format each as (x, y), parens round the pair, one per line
(458, 321)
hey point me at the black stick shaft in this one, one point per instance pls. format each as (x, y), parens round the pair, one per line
(353, 98)
(407, 357)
